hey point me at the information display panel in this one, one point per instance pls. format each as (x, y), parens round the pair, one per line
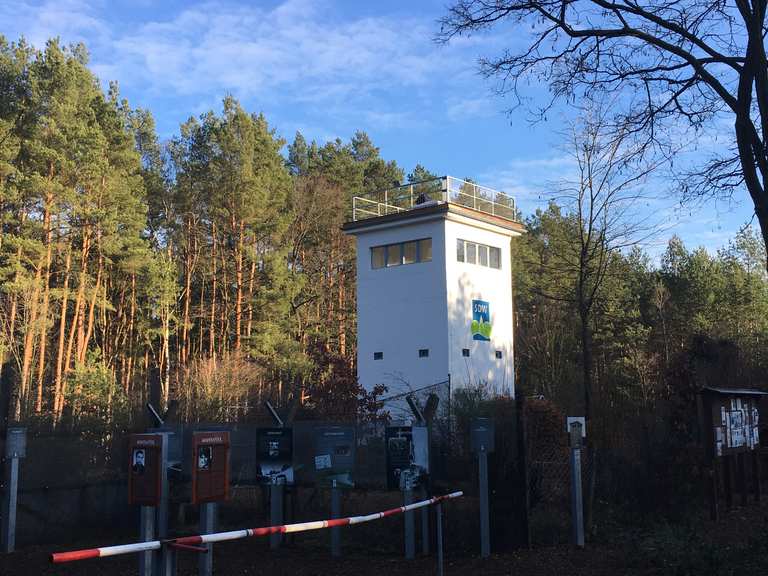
(407, 452)
(210, 466)
(335, 454)
(144, 469)
(275, 454)
(482, 435)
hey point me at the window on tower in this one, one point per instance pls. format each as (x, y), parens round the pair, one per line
(394, 255)
(409, 252)
(474, 253)
(378, 256)
(425, 250)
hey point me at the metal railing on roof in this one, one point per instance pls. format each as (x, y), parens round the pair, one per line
(445, 189)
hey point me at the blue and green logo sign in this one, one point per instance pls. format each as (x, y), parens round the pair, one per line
(481, 320)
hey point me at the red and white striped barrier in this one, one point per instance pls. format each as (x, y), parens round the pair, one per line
(61, 557)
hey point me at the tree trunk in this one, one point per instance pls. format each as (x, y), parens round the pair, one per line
(239, 279)
(82, 353)
(44, 311)
(58, 390)
(79, 301)
(29, 343)
(586, 357)
(212, 325)
(252, 276)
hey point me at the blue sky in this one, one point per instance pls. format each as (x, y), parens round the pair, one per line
(331, 68)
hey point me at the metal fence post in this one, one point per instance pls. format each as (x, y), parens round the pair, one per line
(167, 555)
(207, 526)
(577, 509)
(439, 522)
(485, 524)
(146, 534)
(11, 474)
(425, 524)
(410, 536)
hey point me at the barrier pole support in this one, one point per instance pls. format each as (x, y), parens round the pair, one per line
(146, 534)
(485, 523)
(167, 554)
(410, 526)
(335, 513)
(9, 505)
(439, 522)
(207, 526)
(275, 513)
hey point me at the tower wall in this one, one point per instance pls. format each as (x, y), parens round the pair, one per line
(401, 310)
(468, 283)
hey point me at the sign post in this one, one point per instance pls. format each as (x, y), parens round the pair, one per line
(410, 525)
(15, 448)
(210, 484)
(275, 457)
(208, 513)
(482, 435)
(576, 430)
(407, 451)
(334, 466)
(335, 513)
(148, 487)
(439, 522)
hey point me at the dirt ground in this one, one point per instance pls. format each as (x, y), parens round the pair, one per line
(737, 545)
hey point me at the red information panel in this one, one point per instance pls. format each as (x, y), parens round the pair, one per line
(210, 467)
(144, 469)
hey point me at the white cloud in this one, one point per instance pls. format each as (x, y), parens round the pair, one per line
(530, 180)
(383, 68)
(462, 109)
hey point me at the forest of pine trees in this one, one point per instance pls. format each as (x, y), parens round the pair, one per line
(210, 269)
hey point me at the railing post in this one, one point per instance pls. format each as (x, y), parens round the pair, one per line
(386, 202)
(410, 189)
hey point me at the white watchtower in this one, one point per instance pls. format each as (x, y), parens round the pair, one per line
(434, 286)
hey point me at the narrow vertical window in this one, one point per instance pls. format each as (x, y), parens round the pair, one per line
(378, 257)
(482, 255)
(460, 250)
(409, 253)
(494, 257)
(424, 353)
(425, 250)
(465, 352)
(498, 354)
(471, 249)
(394, 255)
(378, 355)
